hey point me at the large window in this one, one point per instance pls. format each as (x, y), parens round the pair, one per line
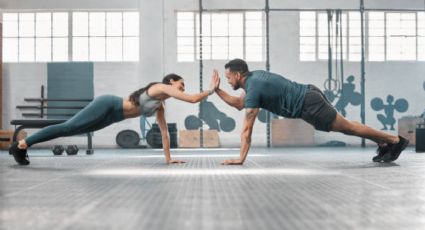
(401, 36)
(323, 42)
(105, 36)
(390, 36)
(307, 36)
(345, 36)
(224, 36)
(421, 36)
(35, 37)
(94, 36)
(376, 37)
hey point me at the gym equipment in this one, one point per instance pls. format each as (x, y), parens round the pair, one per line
(71, 150)
(192, 122)
(227, 124)
(58, 150)
(420, 137)
(154, 138)
(128, 139)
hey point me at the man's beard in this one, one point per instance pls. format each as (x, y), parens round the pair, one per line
(237, 86)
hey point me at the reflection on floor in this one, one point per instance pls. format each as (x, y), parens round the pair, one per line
(287, 188)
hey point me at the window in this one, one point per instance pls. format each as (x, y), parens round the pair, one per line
(354, 37)
(224, 36)
(35, 37)
(401, 36)
(421, 36)
(390, 36)
(314, 43)
(105, 36)
(307, 36)
(395, 36)
(323, 43)
(376, 38)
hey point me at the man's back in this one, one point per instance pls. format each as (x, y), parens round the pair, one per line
(274, 93)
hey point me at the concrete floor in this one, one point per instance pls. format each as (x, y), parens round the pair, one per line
(291, 188)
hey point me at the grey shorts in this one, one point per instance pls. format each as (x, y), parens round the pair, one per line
(317, 110)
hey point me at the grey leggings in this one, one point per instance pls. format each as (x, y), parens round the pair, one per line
(101, 112)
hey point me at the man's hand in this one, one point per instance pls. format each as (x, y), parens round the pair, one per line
(233, 162)
(175, 161)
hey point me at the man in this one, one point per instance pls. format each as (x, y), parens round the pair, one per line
(289, 99)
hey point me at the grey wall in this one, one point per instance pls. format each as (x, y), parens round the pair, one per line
(158, 57)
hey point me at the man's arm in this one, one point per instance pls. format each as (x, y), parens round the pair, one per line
(236, 102)
(250, 115)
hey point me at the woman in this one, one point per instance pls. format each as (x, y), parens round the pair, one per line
(108, 109)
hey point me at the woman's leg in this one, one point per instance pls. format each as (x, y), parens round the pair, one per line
(94, 113)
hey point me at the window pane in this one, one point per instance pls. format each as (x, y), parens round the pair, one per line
(185, 57)
(60, 49)
(114, 24)
(307, 36)
(185, 27)
(253, 28)
(60, 24)
(131, 23)
(80, 49)
(253, 48)
(220, 25)
(43, 24)
(10, 25)
(131, 49)
(253, 15)
(97, 49)
(236, 25)
(206, 48)
(80, 24)
(97, 24)
(235, 47)
(26, 49)
(43, 49)
(376, 48)
(219, 48)
(114, 49)
(10, 49)
(206, 24)
(26, 25)
(421, 36)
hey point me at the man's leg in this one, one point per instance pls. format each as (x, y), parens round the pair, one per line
(354, 128)
(390, 146)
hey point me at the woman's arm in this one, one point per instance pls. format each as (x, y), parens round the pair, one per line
(177, 94)
(160, 117)
(192, 98)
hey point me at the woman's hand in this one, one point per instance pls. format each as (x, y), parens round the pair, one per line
(215, 81)
(170, 161)
(232, 162)
(216, 77)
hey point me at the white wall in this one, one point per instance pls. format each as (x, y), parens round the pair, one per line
(158, 57)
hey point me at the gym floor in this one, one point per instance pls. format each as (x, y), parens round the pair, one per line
(288, 188)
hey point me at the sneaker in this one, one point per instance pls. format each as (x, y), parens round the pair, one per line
(20, 155)
(381, 151)
(396, 149)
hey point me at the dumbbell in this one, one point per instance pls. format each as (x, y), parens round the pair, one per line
(58, 150)
(71, 150)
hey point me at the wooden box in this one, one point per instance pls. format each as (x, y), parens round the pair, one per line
(291, 132)
(9, 135)
(190, 139)
(407, 128)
